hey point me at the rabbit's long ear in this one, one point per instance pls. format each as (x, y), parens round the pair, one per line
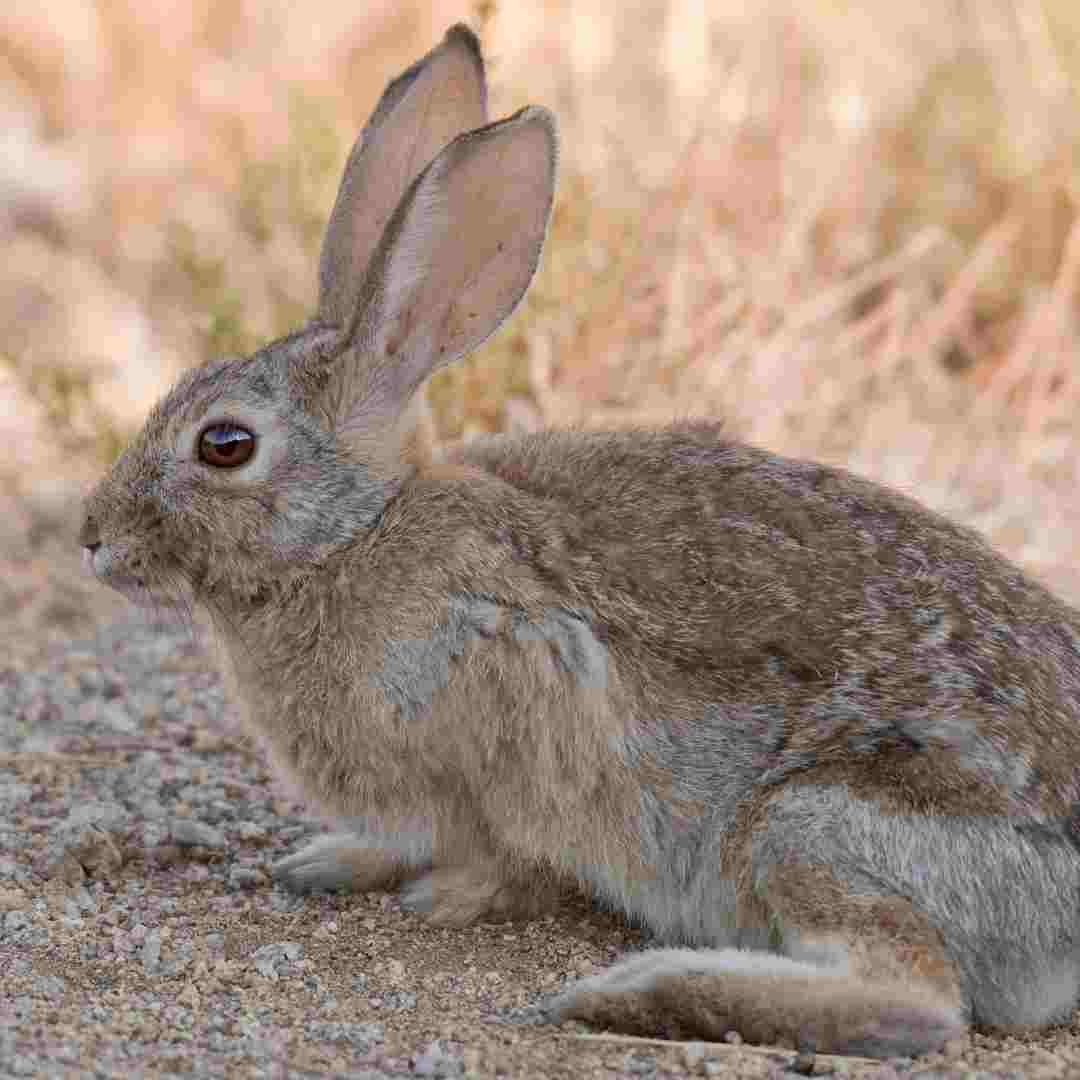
(455, 260)
(420, 112)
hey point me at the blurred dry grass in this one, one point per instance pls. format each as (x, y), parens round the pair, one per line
(849, 229)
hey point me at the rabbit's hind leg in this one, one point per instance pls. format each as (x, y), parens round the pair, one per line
(866, 971)
(978, 906)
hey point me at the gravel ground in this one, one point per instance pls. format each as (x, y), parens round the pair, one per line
(140, 935)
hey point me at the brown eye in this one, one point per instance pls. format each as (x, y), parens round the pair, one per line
(225, 446)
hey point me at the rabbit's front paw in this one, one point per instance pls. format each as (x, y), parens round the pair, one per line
(340, 861)
(458, 896)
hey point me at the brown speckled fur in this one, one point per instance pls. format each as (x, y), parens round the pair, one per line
(759, 705)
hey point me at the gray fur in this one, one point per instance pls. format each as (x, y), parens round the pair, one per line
(1016, 937)
(744, 700)
(412, 672)
(573, 640)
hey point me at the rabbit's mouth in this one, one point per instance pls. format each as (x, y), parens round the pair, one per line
(107, 563)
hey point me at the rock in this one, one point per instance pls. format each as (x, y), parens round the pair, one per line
(62, 867)
(102, 815)
(13, 900)
(242, 877)
(97, 852)
(639, 1064)
(360, 1036)
(16, 920)
(437, 1060)
(151, 952)
(271, 959)
(49, 986)
(693, 1054)
(252, 833)
(189, 833)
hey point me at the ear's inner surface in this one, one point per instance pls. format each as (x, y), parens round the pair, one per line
(420, 112)
(453, 263)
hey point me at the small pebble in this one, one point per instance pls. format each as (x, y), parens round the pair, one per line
(151, 952)
(693, 1054)
(189, 833)
(246, 877)
(272, 959)
(13, 900)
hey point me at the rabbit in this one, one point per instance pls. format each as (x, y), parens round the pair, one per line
(820, 741)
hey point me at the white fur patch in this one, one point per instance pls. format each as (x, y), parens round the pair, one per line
(641, 972)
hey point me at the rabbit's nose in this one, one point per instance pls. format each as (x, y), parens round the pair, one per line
(90, 539)
(89, 536)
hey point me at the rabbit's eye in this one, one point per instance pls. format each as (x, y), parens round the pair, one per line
(225, 446)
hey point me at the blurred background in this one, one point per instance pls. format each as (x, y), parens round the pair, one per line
(850, 230)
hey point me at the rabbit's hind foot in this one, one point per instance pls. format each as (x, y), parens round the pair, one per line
(766, 998)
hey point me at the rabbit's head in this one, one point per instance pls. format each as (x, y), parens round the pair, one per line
(252, 471)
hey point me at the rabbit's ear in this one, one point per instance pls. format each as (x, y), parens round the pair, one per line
(420, 112)
(456, 258)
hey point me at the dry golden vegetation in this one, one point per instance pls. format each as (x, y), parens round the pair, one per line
(851, 230)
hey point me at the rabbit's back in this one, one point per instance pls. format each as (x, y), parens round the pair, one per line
(803, 617)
